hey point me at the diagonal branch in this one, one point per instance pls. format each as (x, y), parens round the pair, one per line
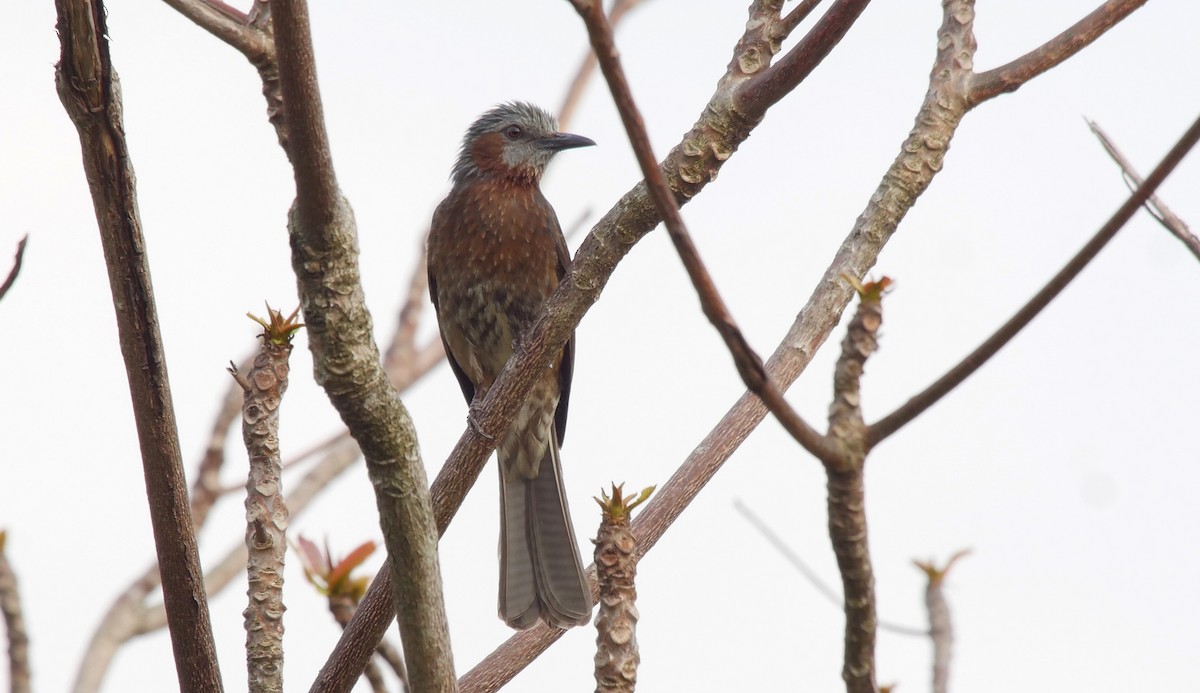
(891, 423)
(769, 85)
(90, 92)
(230, 25)
(16, 268)
(587, 66)
(1157, 208)
(346, 360)
(809, 574)
(1010, 76)
(749, 364)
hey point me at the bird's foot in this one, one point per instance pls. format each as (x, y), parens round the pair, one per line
(473, 422)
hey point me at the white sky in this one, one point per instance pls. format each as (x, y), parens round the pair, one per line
(1068, 464)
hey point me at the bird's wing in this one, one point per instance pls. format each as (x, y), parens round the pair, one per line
(468, 388)
(567, 367)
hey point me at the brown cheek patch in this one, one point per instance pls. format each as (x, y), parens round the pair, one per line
(488, 151)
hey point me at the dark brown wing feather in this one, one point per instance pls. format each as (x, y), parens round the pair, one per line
(468, 388)
(567, 367)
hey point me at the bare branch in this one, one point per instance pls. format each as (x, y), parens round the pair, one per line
(941, 628)
(770, 83)
(798, 14)
(14, 624)
(230, 25)
(400, 360)
(390, 655)
(90, 93)
(1011, 76)
(926, 398)
(1157, 208)
(346, 360)
(252, 35)
(266, 511)
(808, 573)
(506, 661)
(587, 66)
(749, 364)
(847, 494)
(616, 555)
(16, 268)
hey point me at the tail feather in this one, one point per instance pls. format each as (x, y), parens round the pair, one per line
(541, 574)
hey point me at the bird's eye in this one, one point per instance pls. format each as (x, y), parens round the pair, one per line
(513, 132)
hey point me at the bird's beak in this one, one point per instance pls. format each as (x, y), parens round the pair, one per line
(564, 140)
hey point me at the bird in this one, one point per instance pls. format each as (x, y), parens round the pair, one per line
(495, 254)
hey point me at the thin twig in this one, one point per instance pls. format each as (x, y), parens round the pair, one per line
(85, 81)
(770, 83)
(16, 268)
(1155, 206)
(749, 364)
(808, 573)
(228, 24)
(891, 423)
(1010, 76)
(392, 656)
(798, 14)
(587, 66)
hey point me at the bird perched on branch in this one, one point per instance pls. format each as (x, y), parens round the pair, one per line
(496, 252)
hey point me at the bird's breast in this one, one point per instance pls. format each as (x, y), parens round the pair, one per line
(493, 257)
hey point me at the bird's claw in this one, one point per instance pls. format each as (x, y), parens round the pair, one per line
(473, 422)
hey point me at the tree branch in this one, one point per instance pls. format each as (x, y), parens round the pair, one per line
(846, 501)
(770, 83)
(809, 574)
(1011, 76)
(90, 92)
(617, 12)
(346, 361)
(230, 25)
(749, 364)
(266, 510)
(941, 628)
(16, 268)
(891, 423)
(1156, 207)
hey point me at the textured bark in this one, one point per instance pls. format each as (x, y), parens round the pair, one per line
(616, 554)
(90, 92)
(847, 501)
(266, 515)
(346, 363)
(848, 532)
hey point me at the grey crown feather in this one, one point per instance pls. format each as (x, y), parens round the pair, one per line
(534, 119)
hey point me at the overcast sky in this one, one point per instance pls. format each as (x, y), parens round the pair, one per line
(1068, 464)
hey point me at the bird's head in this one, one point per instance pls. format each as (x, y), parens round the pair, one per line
(515, 141)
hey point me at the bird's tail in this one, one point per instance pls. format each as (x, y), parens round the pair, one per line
(540, 570)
